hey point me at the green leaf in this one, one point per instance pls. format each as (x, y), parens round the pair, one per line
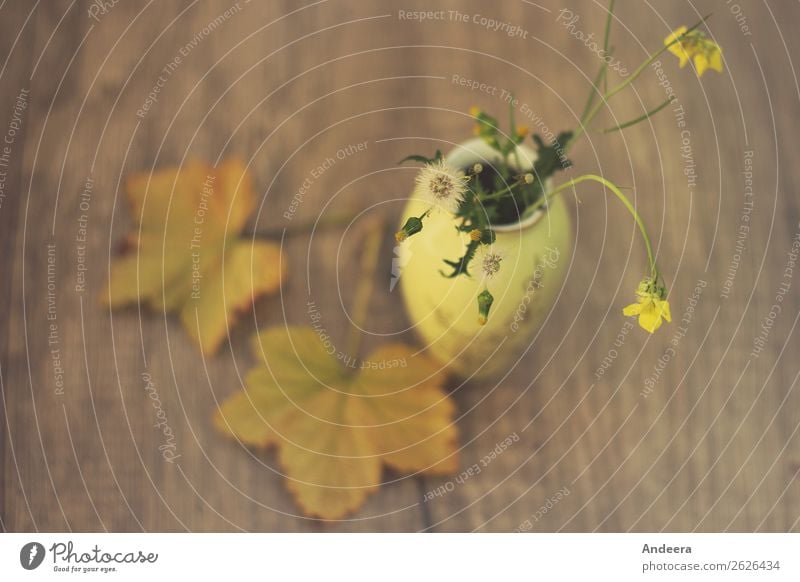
(416, 158)
(461, 266)
(552, 158)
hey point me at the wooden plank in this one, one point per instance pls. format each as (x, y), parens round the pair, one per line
(15, 54)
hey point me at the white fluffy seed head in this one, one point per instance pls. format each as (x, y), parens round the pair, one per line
(442, 186)
(488, 260)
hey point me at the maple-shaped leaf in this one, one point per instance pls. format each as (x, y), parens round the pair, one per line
(185, 253)
(334, 426)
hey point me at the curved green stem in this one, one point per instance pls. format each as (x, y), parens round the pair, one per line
(366, 282)
(624, 199)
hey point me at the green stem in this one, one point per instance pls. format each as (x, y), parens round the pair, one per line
(614, 90)
(595, 89)
(641, 118)
(622, 198)
(501, 193)
(513, 132)
(602, 76)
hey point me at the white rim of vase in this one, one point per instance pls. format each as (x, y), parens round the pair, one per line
(526, 222)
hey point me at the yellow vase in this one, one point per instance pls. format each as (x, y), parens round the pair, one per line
(444, 312)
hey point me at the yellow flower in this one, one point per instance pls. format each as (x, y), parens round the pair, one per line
(651, 306)
(695, 45)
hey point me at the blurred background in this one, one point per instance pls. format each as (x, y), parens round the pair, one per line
(689, 429)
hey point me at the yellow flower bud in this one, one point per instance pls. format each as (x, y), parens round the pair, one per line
(651, 307)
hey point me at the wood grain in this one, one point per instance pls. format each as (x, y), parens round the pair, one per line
(713, 446)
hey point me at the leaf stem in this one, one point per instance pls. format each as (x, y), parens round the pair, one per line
(595, 89)
(497, 195)
(366, 283)
(641, 118)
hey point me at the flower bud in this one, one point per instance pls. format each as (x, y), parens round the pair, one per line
(412, 226)
(485, 301)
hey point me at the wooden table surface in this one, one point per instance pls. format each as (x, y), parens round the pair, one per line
(684, 430)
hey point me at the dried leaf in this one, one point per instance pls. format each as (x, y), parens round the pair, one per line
(185, 252)
(334, 426)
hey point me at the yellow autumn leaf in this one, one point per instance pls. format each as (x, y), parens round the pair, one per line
(185, 253)
(335, 427)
